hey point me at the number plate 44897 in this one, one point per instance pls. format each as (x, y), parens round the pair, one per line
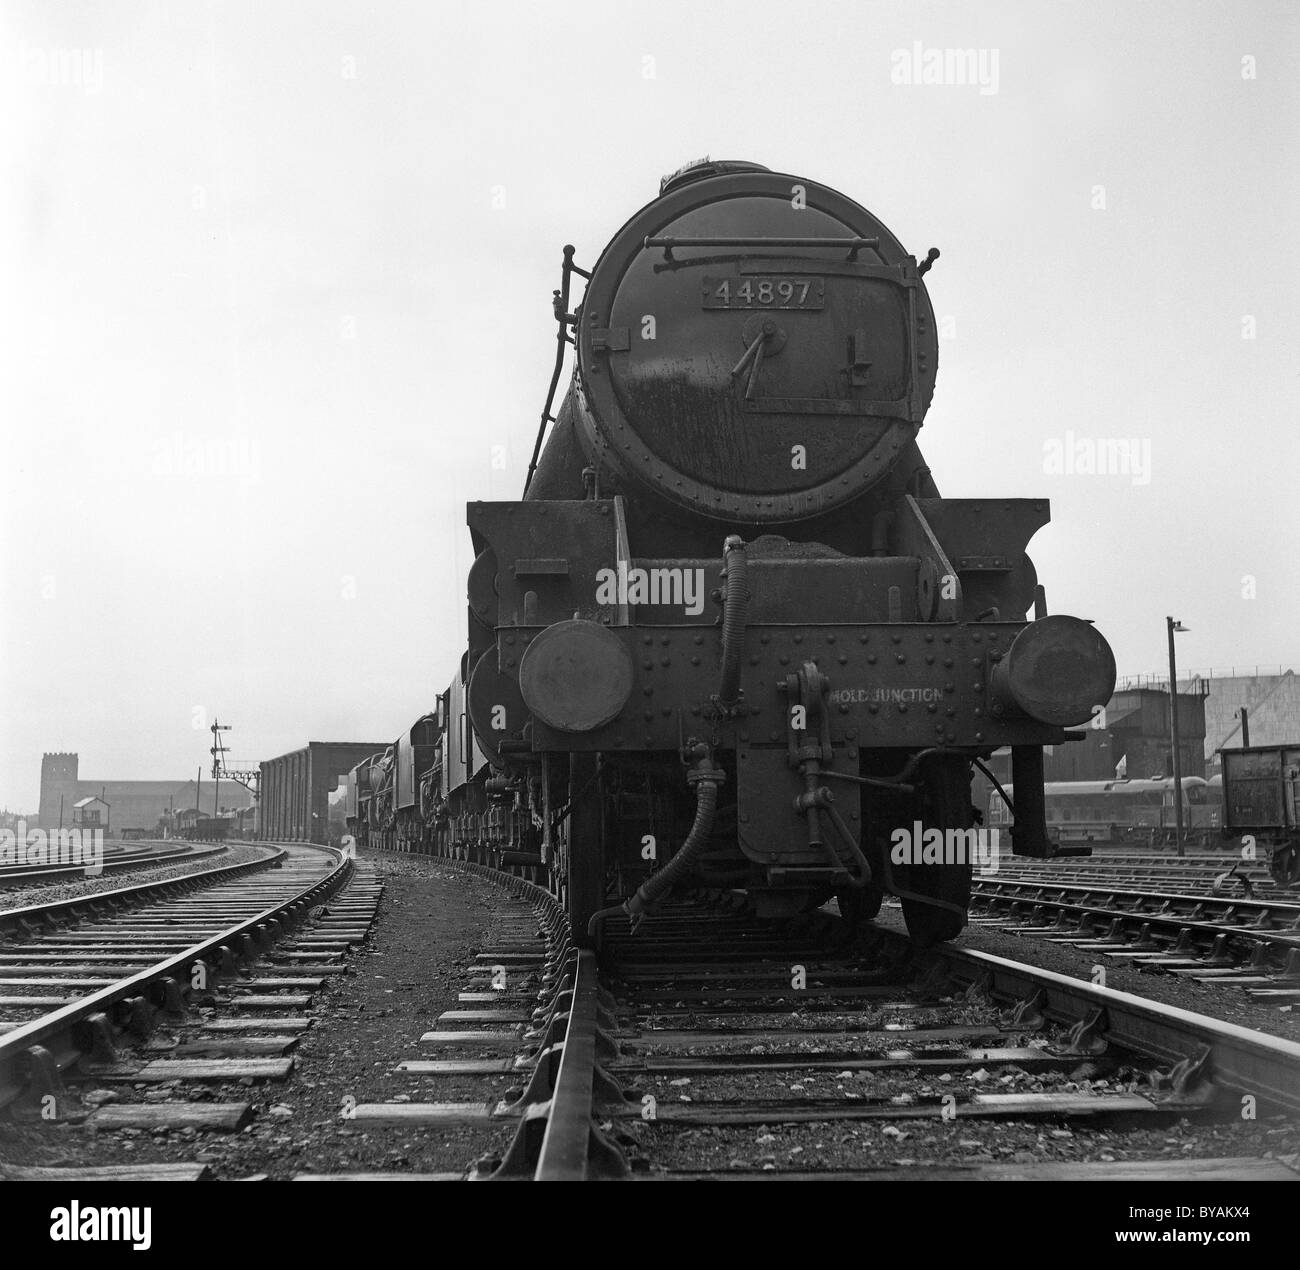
(764, 293)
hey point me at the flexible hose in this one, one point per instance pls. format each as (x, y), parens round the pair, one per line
(735, 605)
(704, 775)
(657, 885)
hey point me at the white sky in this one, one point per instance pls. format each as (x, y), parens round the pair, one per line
(263, 323)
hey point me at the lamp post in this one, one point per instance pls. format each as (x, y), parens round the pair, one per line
(1171, 627)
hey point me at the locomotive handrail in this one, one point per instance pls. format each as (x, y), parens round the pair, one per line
(564, 319)
(852, 245)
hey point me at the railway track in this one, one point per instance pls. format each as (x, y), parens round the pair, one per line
(712, 1045)
(1253, 944)
(115, 859)
(1197, 875)
(513, 1020)
(222, 962)
(922, 1067)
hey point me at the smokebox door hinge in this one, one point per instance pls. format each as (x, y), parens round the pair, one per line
(610, 339)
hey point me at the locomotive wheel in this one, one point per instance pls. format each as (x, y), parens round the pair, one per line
(585, 839)
(945, 804)
(861, 906)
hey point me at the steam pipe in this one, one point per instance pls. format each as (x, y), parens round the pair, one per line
(735, 606)
(826, 800)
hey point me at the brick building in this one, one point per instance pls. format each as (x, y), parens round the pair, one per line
(131, 804)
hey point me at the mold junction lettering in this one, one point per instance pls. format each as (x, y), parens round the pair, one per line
(884, 696)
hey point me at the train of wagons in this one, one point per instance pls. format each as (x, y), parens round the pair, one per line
(732, 636)
(1255, 802)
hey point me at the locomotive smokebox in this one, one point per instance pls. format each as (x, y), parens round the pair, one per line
(753, 348)
(576, 676)
(1058, 670)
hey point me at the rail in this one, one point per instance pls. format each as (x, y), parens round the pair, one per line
(28, 1040)
(1249, 1063)
(15, 876)
(566, 1146)
(79, 906)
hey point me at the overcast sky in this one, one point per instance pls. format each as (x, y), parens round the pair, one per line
(275, 279)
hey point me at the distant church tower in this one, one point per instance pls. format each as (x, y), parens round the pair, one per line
(58, 776)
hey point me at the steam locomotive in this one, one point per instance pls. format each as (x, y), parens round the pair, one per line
(732, 635)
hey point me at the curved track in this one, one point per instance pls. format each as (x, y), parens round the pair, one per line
(78, 976)
(118, 857)
(665, 1054)
(708, 1045)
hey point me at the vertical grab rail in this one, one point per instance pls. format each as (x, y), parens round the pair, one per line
(564, 319)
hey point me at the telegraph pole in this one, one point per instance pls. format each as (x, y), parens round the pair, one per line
(1171, 627)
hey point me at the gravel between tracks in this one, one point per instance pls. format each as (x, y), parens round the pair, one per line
(659, 1146)
(874, 1145)
(431, 921)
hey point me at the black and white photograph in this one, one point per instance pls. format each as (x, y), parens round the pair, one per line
(649, 592)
